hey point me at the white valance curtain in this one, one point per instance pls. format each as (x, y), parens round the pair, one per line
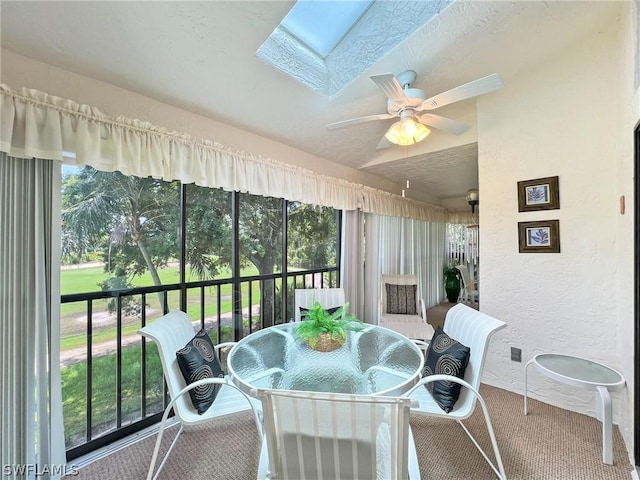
(36, 124)
(383, 203)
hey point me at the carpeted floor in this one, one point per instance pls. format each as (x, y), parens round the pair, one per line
(548, 444)
(436, 314)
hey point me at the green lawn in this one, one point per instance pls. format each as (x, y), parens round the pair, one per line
(103, 391)
(103, 397)
(86, 280)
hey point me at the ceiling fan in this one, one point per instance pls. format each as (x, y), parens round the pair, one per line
(411, 105)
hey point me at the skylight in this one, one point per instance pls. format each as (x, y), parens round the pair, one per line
(322, 25)
(326, 44)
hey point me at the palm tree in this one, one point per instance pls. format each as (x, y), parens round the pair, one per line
(135, 220)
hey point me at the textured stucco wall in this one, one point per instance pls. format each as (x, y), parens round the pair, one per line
(570, 117)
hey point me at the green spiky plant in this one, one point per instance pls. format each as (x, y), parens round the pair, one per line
(318, 322)
(452, 284)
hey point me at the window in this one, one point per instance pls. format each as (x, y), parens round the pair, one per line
(135, 248)
(312, 236)
(327, 44)
(322, 25)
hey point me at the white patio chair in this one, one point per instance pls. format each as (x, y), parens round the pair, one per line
(474, 330)
(469, 291)
(325, 436)
(412, 325)
(170, 333)
(328, 298)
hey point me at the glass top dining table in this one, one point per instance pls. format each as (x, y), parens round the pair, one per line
(373, 361)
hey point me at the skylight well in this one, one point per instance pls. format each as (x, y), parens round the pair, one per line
(327, 44)
(322, 25)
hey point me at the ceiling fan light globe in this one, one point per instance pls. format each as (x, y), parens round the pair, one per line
(394, 133)
(407, 132)
(472, 195)
(409, 127)
(422, 133)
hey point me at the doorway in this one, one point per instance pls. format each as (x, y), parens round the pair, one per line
(636, 261)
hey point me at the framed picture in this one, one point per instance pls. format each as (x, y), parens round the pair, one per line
(539, 237)
(538, 194)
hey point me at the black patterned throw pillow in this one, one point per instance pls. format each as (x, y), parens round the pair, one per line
(197, 360)
(448, 357)
(401, 299)
(305, 311)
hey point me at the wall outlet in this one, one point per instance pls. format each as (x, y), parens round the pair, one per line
(516, 354)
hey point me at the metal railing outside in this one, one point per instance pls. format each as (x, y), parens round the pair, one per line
(114, 384)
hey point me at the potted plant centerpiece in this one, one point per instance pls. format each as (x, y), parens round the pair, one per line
(325, 330)
(452, 282)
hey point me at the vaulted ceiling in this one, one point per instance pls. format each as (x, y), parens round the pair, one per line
(201, 56)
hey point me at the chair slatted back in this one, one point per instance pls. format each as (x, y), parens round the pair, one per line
(467, 282)
(328, 298)
(170, 333)
(325, 436)
(473, 329)
(469, 287)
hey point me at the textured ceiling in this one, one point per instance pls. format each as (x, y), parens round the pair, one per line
(201, 56)
(383, 26)
(444, 174)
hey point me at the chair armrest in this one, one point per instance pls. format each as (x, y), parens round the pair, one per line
(221, 381)
(169, 407)
(219, 353)
(204, 381)
(422, 345)
(423, 310)
(223, 345)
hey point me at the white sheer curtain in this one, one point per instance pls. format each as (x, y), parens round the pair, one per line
(31, 430)
(402, 246)
(352, 261)
(35, 124)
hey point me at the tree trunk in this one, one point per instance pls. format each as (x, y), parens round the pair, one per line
(267, 294)
(267, 291)
(152, 269)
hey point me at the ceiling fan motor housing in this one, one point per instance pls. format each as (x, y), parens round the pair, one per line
(406, 78)
(415, 97)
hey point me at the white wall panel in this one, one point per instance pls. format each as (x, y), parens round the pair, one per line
(570, 117)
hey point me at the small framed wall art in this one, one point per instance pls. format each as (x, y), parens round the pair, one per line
(538, 194)
(539, 237)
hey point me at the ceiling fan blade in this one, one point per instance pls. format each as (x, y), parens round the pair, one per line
(383, 143)
(390, 86)
(472, 89)
(442, 123)
(354, 121)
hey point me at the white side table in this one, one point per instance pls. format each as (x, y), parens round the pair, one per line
(583, 373)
